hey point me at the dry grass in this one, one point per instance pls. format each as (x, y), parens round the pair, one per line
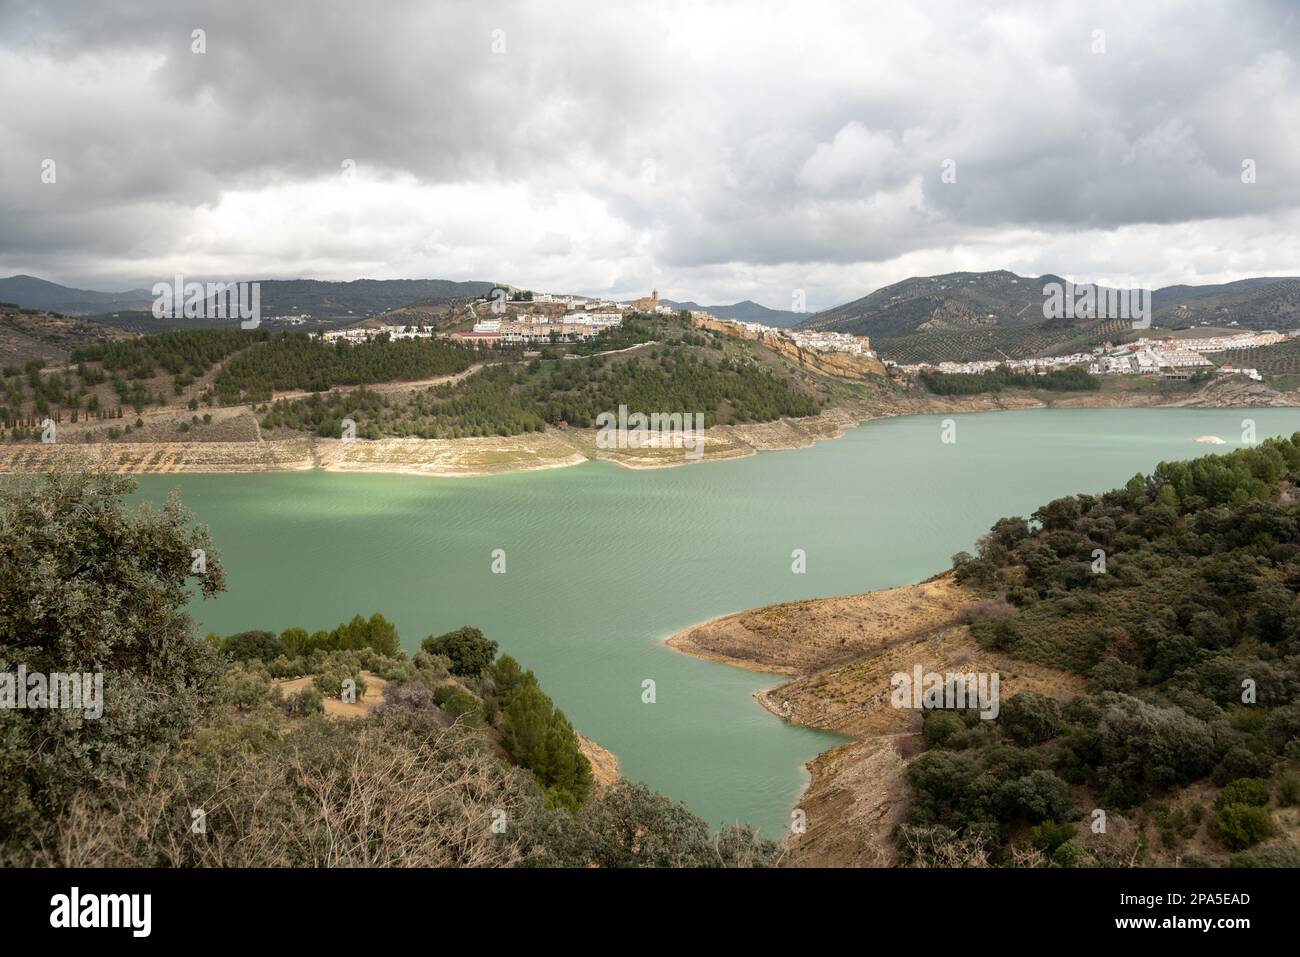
(425, 801)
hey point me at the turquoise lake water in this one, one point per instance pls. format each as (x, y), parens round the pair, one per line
(603, 563)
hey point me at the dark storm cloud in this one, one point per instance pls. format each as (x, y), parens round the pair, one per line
(638, 138)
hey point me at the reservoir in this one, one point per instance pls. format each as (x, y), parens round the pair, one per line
(603, 563)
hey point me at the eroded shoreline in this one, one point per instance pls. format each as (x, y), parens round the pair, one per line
(839, 655)
(563, 447)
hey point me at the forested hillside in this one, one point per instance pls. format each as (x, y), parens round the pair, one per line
(1177, 597)
(508, 399)
(994, 315)
(297, 362)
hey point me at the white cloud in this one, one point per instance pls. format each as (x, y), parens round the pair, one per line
(720, 152)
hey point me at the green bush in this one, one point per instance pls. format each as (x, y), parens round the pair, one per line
(458, 703)
(939, 726)
(329, 679)
(252, 646)
(996, 634)
(1240, 826)
(1112, 674)
(1274, 855)
(1242, 791)
(1242, 761)
(1072, 854)
(245, 687)
(1030, 718)
(87, 586)
(307, 701)
(1288, 790)
(469, 652)
(1049, 835)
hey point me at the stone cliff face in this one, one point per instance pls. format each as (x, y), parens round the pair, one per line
(842, 365)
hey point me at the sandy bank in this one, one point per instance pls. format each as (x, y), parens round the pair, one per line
(564, 447)
(840, 654)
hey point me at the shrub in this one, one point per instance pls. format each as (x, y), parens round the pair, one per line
(940, 846)
(973, 611)
(87, 586)
(1031, 718)
(632, 826)
(285, 667)
(252, 646)
(1274, 855)
(469, 652)
(1072, 854)
(1112, 674)
(1240, 826)
(996, 634)
(458, 703)
(939, 726)
(1144, 749)
(307, 701)
(1288, 790)
(1037, 796)
(245, 688)
(1049, 835)
(329, 680)
(1247, 791)
(1241, 761)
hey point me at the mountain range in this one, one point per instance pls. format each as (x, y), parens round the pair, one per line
(320, 298)
(991, 315)
(965, 300)
(746, 311)
(961, 315)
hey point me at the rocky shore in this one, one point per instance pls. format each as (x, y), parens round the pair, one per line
(563, 447)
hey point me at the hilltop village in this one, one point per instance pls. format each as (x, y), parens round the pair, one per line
(524, 318)
(543, 318)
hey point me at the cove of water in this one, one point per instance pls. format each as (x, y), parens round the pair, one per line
(603, 563)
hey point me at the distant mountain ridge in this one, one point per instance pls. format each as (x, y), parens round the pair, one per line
(33, 293)
(745, 311)
(320, 298)
(1000, 299)
(996, 315)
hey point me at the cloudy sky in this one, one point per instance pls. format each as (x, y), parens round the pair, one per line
(719, 151)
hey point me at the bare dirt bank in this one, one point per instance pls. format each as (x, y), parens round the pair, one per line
(563, 447)
(841, 654)
(604, 764)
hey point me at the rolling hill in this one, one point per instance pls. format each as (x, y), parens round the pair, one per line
(1261, 303)
(320, 298)
(33, 293)
(33, 334)
(746, 311)
(987, 315)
